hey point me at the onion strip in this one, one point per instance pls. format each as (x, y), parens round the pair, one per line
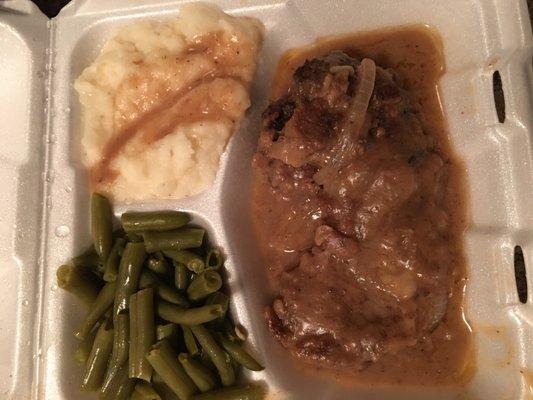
(353, 123)
(350, 131)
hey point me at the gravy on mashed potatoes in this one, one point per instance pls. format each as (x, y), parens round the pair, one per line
(162, 100)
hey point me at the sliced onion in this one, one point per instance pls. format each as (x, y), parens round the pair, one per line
(345, 147)
(351, 128)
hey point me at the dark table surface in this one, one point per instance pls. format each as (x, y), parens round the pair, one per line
(51, 7)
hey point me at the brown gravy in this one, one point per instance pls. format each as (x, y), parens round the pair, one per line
(159, 107)
(443, 355)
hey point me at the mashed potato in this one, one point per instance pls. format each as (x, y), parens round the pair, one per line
(162, 100)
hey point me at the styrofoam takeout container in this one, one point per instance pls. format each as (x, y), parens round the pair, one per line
(44, 196)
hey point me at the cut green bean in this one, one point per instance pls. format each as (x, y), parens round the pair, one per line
(181, 276)
(89, 260)
(136, 395)
(190, 341)
(121, 386)
(223, 300)
(179, 239)
(219, 357)
(169, 332)
(156, 378)
(133, 237)
(113, 260)
(103, 301)
(158, 264)
(121, 345)
(206, 360)
(129, 272)
(166, 292)
(228, 328)
(239, 354)
(164, 361)
(203, 285)
(191, 260)
(80, 282)
(188, 316)
(143, 391)
(154, 221)
(218, 298)
(200, 374)
(101, 225)
(81, 355)
(240, 332)
(160, 386)
(97, 361)
(243, 392)
(213, 259)
(142, 331)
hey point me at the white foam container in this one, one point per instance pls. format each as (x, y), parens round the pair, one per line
(44, 197)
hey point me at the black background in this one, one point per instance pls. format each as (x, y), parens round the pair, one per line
(51, 7)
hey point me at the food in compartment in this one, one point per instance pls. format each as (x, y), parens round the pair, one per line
(162, 99)
(358, 205)
(157, 319)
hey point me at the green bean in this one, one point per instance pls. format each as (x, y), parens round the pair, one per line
(133, 237)
(206, 360)
(89, 260)
(121, 340)
(167, 331)
(156, 378)
(80, 282)
(136, 395)
(113, 260)
(101, 225)
(121, 386)
(142, 331)
(179, 239)
(188, 316)
(219, 357)
(203, 285)
(97, 361)
(181, 276)
(81, 355)
(164, 361)
(239, 333)
(129, 272)
(244, 392)
(103, 301)
(200, 374)
(121, 344)
(154, 221)
(223, 300)
(143, 391)
(164, 291)
(191, 260)
(239, 354)
(190, 341)
(218, 298)
(158, 263)
(161, 387)
(127, 236)
(213, 259)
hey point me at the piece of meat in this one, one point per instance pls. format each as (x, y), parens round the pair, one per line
(360, 254)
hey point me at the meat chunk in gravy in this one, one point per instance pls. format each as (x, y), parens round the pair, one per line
(360, 251)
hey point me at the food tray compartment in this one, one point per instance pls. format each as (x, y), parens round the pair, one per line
(50, 193)
(23, 38)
